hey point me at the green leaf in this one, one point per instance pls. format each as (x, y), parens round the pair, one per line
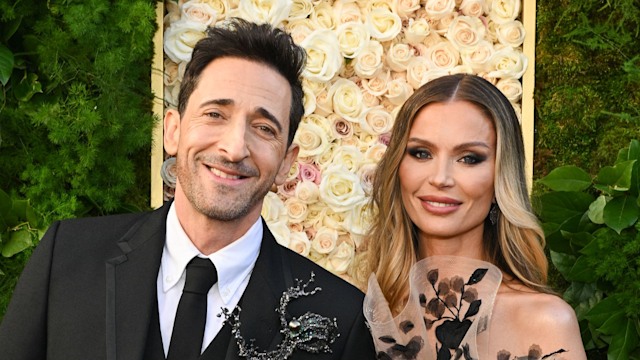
(604, 310)
(5, 211)
(582, 271)
(617, 177)
(6, 64)
(27, 87)
(19, 241)
(582, 296)
(562, 262)
(557, 207)
(624, 341)
(620, 213)
(596, 209)
(567, 178)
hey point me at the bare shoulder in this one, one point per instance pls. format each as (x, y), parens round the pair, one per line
(544, 322)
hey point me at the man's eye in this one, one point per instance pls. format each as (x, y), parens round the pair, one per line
(214, 114)
(266, 129)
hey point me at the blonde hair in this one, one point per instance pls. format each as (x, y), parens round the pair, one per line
(515, 244)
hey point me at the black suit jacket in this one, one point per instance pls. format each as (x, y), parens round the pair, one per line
(90, 286)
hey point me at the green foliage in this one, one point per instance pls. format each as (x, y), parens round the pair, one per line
(587, 93)
(593, 232)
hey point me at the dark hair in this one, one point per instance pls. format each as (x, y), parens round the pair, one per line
(261, 43)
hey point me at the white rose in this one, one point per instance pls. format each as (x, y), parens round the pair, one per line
(375, 152)
(264, 11)
(171, 96)
(309, 100)
(502, 11)
(383, 24)
(300, 9)
(398, 91)
(359, 219)
(324, 240)
(312, 139)
(349, 157)
(416, 70)
(280, 232)
(366, 141)
(339, 188)
(315, 213)
(299, 30)
(369, 99)
(376, 121)
(430, 41)
(461, 69)
(478, 59)
(406, 8)
(324, 159)
(377, 85)
(199, 12)
(347, 99)
(475, 8)
(441, 26)
(417, 31)
(316, 87)
(346, 11)
(296, 209)
(332, 219)
(443, 56)
(323, 55)
(273, 208)
(219, 6)
(465, 32)
(299, 242)
(180, 39)
(340, 258)
(352, 38)
(366, 173)
(511, 88)
(398, 56)
(321, 121)
(307, 192)
(511, 33)
(322, 16)
(438, 9)
(294, 170)
(507, 63)
(434, 74)
(369, 61)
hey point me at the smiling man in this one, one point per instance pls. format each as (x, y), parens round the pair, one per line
(202, 277)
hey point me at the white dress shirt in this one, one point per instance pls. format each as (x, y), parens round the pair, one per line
(233, 263)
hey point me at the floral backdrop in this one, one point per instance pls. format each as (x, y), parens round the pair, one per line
(365, 58)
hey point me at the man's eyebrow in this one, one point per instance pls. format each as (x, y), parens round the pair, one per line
(260, 111)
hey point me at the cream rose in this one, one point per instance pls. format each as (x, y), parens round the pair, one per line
(324, 159)
(322, 16)
(315, 213)
(417, 31)
(366, 173)
(502, 11)
(180, 39)
(438, 9)
(321, 121)
(465, 32)
(511, 88)
(273, 12)
(173, 14)
(347, 99)
(406, 8)
(349, 157)
(475, 8)
(383, 24)
(339, 188)
(376, 121)
(352, 38)
(323, 55)
(296, 209)
(377, 85)
(340, 258)
(324, 240)
(299, 30)
(443, 56)
(369, 99)
(346, 11)
(219, 6)
(309, 100)
(300, 10)
(307, 192)
(273, 209)
(398, 56)
(375, 152)
(171, 96)
(369, 61)
(280, 232)
(507, 63)
(358, 219)
(312, 139)
(170, 73)
(398, 91)
(418, 67)
(299, 242)
(324, 103)
(511, 33)
(478, 59)
(199, 12)
(294, 171)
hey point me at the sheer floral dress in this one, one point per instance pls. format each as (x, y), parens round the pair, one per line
(447, 316)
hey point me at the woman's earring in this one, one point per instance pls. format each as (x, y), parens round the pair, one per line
(493, 213)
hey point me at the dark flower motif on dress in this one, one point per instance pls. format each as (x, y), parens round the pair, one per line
(535, 353)
(452, 311)
(310, 332)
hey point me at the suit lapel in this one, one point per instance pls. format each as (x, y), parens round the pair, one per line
(131, 286)
(259, 318)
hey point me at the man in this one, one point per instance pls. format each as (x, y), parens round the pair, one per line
(112, 287)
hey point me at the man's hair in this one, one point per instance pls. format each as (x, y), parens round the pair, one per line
(261, 43)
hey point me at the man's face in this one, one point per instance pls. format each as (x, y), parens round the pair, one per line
(231, 142)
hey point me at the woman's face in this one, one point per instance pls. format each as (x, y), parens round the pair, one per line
(447, 172)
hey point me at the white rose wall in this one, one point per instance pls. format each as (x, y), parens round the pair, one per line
(365, 58)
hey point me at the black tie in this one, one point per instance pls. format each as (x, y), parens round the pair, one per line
(188, 328)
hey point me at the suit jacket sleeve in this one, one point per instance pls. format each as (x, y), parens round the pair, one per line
(23, 332)
(359, 344)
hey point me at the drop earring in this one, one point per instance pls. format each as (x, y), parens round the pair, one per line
(493, 213)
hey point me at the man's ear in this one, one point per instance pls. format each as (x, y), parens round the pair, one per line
(171, 131)
(285, 167)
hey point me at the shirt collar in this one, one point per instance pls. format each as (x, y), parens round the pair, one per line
(233, 263)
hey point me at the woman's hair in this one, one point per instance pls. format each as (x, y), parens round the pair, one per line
(261, 43)
(515, 244)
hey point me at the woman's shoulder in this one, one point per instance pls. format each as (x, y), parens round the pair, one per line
(543, 323)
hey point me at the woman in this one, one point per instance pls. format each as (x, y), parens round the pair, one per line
(456, 249)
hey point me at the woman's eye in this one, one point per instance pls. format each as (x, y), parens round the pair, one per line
(419, 153)
(472, 159)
